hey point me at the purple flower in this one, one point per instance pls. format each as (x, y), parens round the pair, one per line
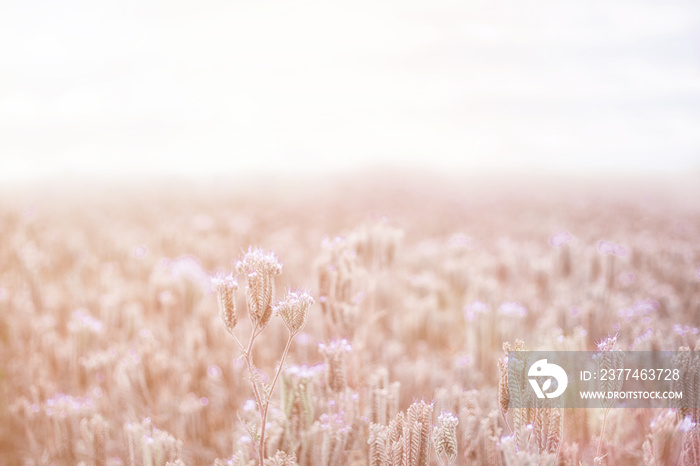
(335, 345)
(683, 330)
(214, 371)
(304, 371)
(686, 424)
(463, 361)
(512, 309)
(560, 239)
(471, 310)
(645, 306)
(607, 248)
(140, 251)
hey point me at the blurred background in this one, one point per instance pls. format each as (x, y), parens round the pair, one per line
(241, 87)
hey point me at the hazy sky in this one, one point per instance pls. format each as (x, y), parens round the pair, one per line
(216, 86)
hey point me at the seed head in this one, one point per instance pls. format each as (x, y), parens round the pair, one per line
(294, 310)
(224, 288)
(259, 268)
(445, 437)
(334, 356)
(607, 344)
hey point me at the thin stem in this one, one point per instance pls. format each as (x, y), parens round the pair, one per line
(256, 331)
(602, 432)
(249, 362)
(261, 447)
(561, 440)
(506, 421)
(238, 342)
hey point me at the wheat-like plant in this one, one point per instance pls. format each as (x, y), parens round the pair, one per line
(608, 359)
(225, 288)
(108, 325)
(688, 364)
(662, 445)
(513, 388)
(260, 269)
(406, 441)
(151, 446)
(445, 438)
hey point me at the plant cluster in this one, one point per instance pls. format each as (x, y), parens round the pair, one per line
(118, 347)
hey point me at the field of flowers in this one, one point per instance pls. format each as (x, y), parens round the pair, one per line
(389, 299)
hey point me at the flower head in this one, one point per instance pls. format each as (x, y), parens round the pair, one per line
(686, 424)
(259, 268)
(225, 287)
(294, 310)
(607, 248)
(607, 344)
(560, 239)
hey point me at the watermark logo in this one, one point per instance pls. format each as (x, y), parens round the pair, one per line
(542, 368)
(603, 379)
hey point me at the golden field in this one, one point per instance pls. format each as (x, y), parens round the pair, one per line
(114, 352)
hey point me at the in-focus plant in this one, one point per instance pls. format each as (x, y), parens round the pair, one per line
(259, 269)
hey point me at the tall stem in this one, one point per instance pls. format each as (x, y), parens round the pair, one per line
(261, 447)
(249, 363)
(506, 421)
(602, 432)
